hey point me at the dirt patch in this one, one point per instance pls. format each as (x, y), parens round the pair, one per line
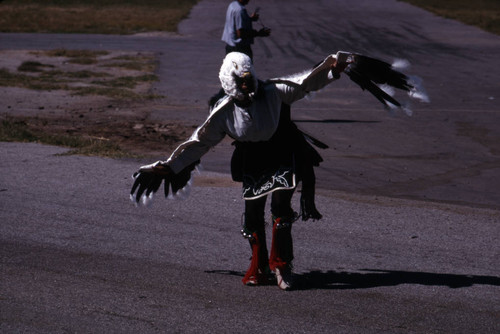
(105, 96)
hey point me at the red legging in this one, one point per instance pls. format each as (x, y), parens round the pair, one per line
(282, 246)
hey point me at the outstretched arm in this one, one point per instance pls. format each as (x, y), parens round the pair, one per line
(369, 73)
(176, 171)
(295, 87)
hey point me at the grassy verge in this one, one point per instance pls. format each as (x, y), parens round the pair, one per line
(92, 128)
(19, 130)
(93, 16)
(81, 81)
(484, 14)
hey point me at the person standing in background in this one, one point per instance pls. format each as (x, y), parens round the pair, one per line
(238, 30)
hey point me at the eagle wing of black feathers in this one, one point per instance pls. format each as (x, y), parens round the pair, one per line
(371, 74)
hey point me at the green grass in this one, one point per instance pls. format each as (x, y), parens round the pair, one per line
(484, 14)
(18, 130)
(93, 16)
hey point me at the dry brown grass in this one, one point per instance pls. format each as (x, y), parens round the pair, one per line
(96, 108)
(107, 17)
(129, 71)
(484, 14)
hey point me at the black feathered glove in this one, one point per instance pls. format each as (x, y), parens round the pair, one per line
(148, 179)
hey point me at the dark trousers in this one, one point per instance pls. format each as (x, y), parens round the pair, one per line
(280, 207)
(246, 49)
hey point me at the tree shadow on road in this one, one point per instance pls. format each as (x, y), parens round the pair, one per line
(373, 278)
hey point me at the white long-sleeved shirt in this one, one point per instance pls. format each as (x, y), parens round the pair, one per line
(257, 122)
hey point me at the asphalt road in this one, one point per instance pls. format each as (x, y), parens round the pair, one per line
(409, 241)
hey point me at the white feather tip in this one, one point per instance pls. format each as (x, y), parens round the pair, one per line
(418, 92)
(400, 64)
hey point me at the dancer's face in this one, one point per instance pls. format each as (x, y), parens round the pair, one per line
(246, 83)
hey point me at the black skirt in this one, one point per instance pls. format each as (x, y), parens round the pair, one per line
(279, 163)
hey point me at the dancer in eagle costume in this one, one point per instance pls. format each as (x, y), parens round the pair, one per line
(271, 154)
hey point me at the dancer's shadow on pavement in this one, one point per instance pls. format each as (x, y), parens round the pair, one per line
(332, 121)
(373, 278)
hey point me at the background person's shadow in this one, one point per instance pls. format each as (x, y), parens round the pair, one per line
(372, 278)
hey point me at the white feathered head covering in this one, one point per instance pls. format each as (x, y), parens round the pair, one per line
(236, 65)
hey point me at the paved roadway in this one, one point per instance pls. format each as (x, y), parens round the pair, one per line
(409, 242)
